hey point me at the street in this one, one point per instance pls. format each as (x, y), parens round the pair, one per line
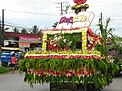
(15, 82)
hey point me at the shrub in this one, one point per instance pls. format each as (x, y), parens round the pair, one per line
(2, 70)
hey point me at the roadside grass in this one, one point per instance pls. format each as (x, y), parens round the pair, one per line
(4, 70)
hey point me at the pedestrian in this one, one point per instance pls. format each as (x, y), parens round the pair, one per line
(13, 62)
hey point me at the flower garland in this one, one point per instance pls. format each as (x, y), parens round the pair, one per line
(79, 6)
(62, 56)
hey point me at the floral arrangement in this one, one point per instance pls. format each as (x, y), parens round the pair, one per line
(71, 70)
(60, 61)
(79, 6)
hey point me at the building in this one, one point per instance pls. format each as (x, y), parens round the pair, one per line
(22, 41)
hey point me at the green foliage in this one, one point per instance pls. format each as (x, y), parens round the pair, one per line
(2, 70)
(105, 32)
(102, 68)
(116, 43)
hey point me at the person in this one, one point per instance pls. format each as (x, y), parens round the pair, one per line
(13, 62)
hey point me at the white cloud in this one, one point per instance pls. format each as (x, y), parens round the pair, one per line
(46, 9)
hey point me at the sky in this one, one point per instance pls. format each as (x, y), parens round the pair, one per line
(44, 13)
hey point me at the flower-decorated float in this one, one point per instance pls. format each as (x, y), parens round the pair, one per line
(70, 54)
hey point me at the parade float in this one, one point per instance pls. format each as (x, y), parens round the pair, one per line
(72, 57)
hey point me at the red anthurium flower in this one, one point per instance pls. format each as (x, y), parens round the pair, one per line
(67, 48)
(84, 57)
(37, 72)
(89, 57)
(108, 38)
(71, 57)
(29, 71)
(40, 74)
(95, 57)
(60, 49)
(78, 73)
(45, 74)
(68, 74)
(88, 73)
(85, 72)
(58, 73)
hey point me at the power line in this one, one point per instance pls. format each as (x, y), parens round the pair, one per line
(9, 23)
(28, 12)
(17, 26)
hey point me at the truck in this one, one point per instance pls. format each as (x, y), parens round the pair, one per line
(6, 53)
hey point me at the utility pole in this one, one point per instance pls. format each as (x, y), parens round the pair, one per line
(2, 29)
(61, 7)
(0, 33)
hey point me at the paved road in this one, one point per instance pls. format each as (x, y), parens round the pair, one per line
(14, 82)
(115, 86)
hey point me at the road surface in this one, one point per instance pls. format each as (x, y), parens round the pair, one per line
(15, 82)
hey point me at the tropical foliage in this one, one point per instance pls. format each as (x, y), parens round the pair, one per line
(74, 71)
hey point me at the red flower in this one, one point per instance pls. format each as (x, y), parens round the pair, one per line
(108, 38)
(95, 57)
(79, 1)
(27, 57)
(60, 49)
(67, 48)
(69, 74)
(71, 57)
(84, 57)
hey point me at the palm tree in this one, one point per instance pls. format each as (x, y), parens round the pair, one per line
(40, 31)
(24, 31)
(35, 29)
(15, 30)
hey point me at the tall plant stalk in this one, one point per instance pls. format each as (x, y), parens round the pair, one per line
(105, 32)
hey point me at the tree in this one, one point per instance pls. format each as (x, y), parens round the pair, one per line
(15, 30)
(35, 29)
(40, 31)
(24, 31)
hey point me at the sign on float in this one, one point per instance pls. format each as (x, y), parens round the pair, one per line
(72, 20)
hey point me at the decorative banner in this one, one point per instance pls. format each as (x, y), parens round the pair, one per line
(71, 20)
